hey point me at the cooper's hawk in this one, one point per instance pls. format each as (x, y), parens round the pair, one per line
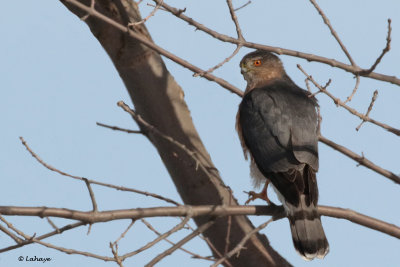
(277, 125)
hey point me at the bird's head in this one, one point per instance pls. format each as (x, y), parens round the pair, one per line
(260, 68)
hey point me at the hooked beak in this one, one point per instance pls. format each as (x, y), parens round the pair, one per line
(243, 69)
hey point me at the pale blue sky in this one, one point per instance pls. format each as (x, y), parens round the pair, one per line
(56, 82)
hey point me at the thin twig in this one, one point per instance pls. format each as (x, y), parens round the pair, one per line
(121, 188)
(9, 225)
(10, 234)
(211, 245)
(350, 97)
(55, 232)
(124, 232)
(52, 224)
(235, 20)
(117, 258)
(241, 244)
(159, 238)
(92, 7)
(94, 203)
(152, 129)
(115, 128)
(194, 255)
(360, 159)
(132, 24)
(333, 32)
(65, 250)
(279, 50)
(338, 102)
(384, 51)
(144, 40)
(189, 237)
(239, 36)
(371, 105)
(319, 91)
(221, 63)
(246, 4)
(306, 80)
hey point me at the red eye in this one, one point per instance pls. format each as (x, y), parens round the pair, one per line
(257, 63)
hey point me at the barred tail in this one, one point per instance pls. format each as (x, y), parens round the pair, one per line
(308, 235)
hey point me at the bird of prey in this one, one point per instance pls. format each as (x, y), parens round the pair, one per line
(277, 125)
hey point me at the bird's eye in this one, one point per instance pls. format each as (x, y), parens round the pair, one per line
(257, 62)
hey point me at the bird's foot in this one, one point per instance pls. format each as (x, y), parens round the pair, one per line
(262, 195)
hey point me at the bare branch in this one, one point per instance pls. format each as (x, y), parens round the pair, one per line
(221, 63)
(117, 258)
(201, 210)
(246, 4)
(52, 224)
(235, 20)
(338, 102)
(10, 234)
(354, 90)
(124, 233)
(333, 32)
(242, 242)
(115, 128)
(121, 188)
(94, 203)
(65, 250)
(150, 128)
(319, 91)
(132, 24)
(9, 225)
(155, 47)
(384, 51)
(92, 2)
(371, 105)
(211, 245)
(194, 255)
(360, 219)
(159, 238)
(55, 232)
(238, 46)
(360, 159)
(189, 237)
(281, 51)
(72, 251)
(306, 80)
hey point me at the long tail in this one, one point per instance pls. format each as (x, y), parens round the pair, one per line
(308, 235)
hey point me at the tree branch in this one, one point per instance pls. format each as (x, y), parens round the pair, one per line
(55, 232)
(196, 211)
(338, 102)
(333, 32)
(189, 237)
(360, 159)
(281, 51)
(153, 46)
(120, 188)
(194, 255)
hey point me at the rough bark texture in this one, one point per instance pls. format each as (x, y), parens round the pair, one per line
(159, 100)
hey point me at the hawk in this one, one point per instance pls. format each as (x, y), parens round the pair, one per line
(277, 125)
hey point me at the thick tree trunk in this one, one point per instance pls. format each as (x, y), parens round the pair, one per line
(159, 100)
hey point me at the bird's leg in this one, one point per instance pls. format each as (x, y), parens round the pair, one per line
(262, 195)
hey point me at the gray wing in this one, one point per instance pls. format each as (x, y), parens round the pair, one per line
(279, 126)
